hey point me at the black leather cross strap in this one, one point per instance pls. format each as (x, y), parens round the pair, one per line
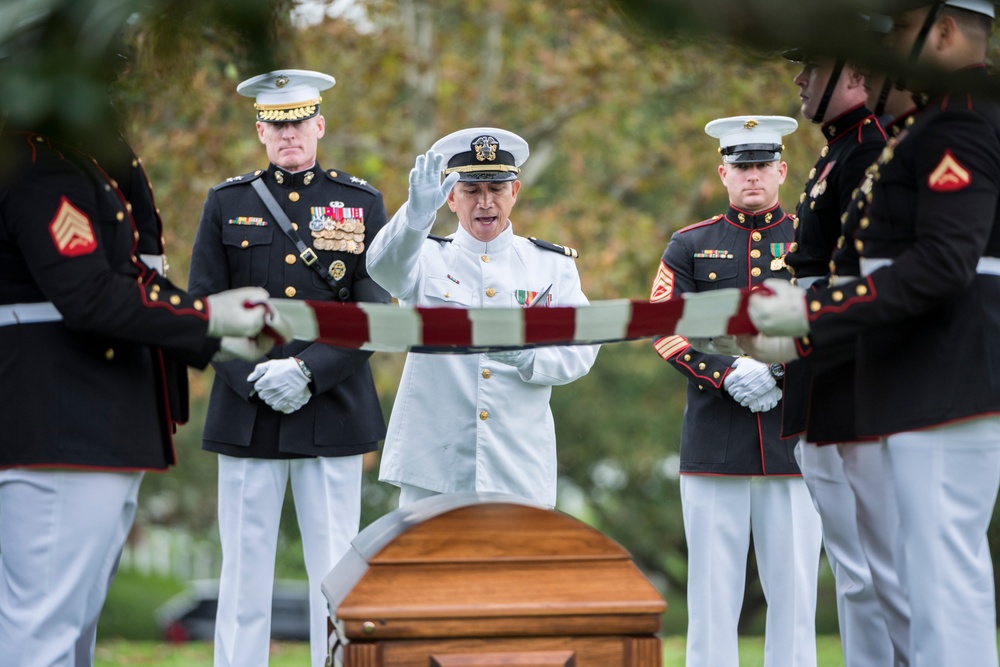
(306, 254)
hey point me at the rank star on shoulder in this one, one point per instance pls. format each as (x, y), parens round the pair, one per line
(359, 181)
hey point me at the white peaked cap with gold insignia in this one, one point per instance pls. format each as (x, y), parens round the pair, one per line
(483, 154)
(751, 138)
(286, 96)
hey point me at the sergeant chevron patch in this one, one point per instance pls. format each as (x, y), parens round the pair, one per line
(71, 231)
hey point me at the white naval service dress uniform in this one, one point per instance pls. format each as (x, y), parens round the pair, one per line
(462, 422)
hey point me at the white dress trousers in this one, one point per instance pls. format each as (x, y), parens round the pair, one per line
(866, 470)
(61, 532)
(864, 635)
(327, 496)
(720, 512)
(946, 481)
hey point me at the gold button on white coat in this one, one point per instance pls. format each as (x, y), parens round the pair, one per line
(486, 374)
(483, 416)
(486, 259)
(490, 292)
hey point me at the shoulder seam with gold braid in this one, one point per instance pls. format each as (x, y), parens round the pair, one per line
(343, 178)
(555, 247)
(242, 178)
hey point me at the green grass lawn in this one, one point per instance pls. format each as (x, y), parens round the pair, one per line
(121, 653)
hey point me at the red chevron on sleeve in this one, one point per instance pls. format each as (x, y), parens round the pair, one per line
(949, 175)
(71, 231)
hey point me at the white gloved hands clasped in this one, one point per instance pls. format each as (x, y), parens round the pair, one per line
(281, 384)
(782, 313)
(750, 380)
(427, 192)
(766, 402)
(519, 359)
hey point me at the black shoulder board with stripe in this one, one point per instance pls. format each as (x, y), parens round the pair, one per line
(439, 239)
(555, 247)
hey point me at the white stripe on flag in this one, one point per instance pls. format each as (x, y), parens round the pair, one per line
(497, 326)
(708, 314)
(603, 320)
(299, 316)
(391, 328)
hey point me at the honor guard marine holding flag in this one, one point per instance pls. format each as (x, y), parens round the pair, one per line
(817, 406)
(738, 476)
(925, 318)
(89, 332)
(475, 422)
(307, 412)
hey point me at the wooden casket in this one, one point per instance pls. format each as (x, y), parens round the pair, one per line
(490, 580)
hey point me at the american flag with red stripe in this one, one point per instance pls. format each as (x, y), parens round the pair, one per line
(391, 328)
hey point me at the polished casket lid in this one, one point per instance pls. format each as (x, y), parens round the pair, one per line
(477, 564)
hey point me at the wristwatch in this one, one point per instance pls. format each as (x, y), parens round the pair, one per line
(777, 370)
(309, 376)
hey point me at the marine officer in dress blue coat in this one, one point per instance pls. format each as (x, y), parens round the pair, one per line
(307, 412)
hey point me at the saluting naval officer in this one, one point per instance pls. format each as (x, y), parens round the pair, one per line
(88, 329)
(475, 422)
(308, 412)
(818, 406)
(925, 317)
(738, 475)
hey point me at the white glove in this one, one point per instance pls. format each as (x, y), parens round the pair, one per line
(281, 384)
(766, 402)
(749, 380)
(782, 313)
(727, 345)
(770, 349)
(247, 349)
(519, 359)
(237, 312)
(427, 192)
